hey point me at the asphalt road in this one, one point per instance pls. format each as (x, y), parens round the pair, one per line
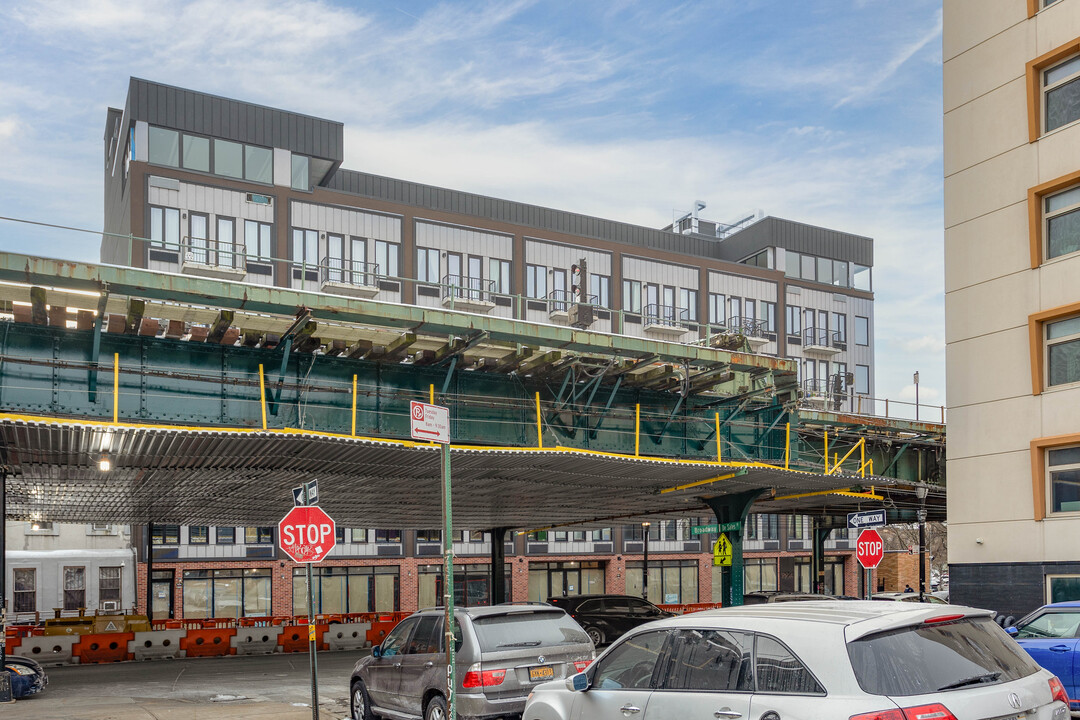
(271, 686)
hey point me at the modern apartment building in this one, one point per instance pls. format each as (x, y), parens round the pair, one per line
(1012, 303)
(210, 186)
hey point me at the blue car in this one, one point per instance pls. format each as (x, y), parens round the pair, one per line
(27, 677)
(1051, 636)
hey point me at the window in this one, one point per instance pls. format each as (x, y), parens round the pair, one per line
(536, 281)
(734, 309)
(198, 229)
(824, 271)
(25, 599)
(257, 239)
(862, 330)
(839, 326)
(759, 574)
(74, 588)
(712, 660)
(109, 586)
(199, 534)
(1063, 469)
(386, 257)
(301, 179)
(41, 527)
(630, 665)
(600, 286)
(164, 147)
(716, 308)
(770, 527)
(794, 320)
(1061, 93)
(1063, 351)
(227, 592)
(631, 296)
(305, 250)
(427, 265)
(778, 670)
(499, 274)
(1051, 625)
(394, 644)
(862, 379)
(228, 158)
(226, 231)
(387, 536)
(670, 581)
(768, 316)
(226, 535)
(861, 279)
(196, 153)
(807, 265)
(359, 535)
(1062, 218)
(348, 589)
(166, 535)
(1062, 588)
(165, 227)
(688, 302)
(840, 273)
(429, 536)
(800, 527)
(792, 264)
(258, 535)
(258, 164)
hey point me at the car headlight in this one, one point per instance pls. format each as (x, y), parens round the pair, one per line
(21, 670)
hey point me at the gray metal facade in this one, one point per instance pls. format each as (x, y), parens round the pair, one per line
(197, 112)
(800, 237)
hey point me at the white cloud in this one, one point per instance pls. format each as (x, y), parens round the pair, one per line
(890, 68)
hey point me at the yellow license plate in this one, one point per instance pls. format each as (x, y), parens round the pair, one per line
(544, 672)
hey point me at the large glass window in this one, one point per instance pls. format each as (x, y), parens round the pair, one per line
(225, 535)
(759, 575)
(600, 286)
(228, 158)
(862, 330)
(165, 227)
(794, 321)
(670, 581)
(717, 302)
(257, 239)
(300, 173)
(227, 592)
(792, 264)
(688, 302)
(166, 535)
(109, 586)
(1062, 588)
(839, 326)
(556, 579)
(1063, 351)
(1061, 88)
(259, 535)
(1063, 469)
(427, 265)
(472, 584)
(768, 316)
(199, 534)
(386, 257)
(631, 296)
(74, 588)
(164, 147)
(259, 164)
(862, 379)
(824, 271)
(861, 279)
(387, 536)
(499, 273)
(25, 598)
(807, 269)
(196, 153)
(840, 273)
(536, 281)
(347, 589)
(1062, 223)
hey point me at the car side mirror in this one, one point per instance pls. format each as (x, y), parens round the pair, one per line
(376, 652)
(578, 682)
(1012, 631)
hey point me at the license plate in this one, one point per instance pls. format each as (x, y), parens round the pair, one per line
(544, 672)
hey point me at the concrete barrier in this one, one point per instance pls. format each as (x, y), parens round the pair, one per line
(157, 645)
(50, 649)
(103, 648)
(347, 636)
(208, 642)
(256, 640)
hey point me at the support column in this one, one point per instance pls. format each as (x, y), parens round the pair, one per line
(498, 565)
(733, 509)
(821, 532)
(149, 571)
(5, 678)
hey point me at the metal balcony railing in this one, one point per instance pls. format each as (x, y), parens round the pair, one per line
(561, 300)
(348, 272)
(463, 287)
(821, 337)
(747, 326)
(668, 315)
(203, 251)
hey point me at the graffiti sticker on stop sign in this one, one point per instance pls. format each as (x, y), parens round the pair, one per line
(307, 534)
(870, 549)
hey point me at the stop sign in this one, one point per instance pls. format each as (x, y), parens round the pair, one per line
(306, 534)
(869, 549)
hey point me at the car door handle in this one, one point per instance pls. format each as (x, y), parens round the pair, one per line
(629, 709)
(429, 664)
(727, 713)
(397, 665)
(1059, 648)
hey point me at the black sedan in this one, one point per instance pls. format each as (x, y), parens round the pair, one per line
(27, 677)
(606, 617)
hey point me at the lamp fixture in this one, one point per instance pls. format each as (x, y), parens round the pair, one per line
(104, 464)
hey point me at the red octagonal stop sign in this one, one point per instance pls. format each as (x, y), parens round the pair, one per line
(306, 534)
(870, 549)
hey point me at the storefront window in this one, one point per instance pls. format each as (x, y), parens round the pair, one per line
(670, 581)
(347, 589)
(472, 584)
(557, 579)
(227, 592)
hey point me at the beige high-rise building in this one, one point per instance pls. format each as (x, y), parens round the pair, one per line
(1012, 303)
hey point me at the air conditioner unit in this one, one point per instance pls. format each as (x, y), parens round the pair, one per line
(110, 605)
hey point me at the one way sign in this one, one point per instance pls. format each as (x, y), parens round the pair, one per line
(866, 519)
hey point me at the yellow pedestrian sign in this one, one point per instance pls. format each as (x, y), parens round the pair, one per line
(721, 551)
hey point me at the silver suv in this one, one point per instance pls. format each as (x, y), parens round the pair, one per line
(502, 652)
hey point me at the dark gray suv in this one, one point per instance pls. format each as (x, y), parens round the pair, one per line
(502, 652)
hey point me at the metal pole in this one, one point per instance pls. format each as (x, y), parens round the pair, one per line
(311, 644)
(448, 584)
(150, 570)
(922, 548)
(645, 560)
(5, 677)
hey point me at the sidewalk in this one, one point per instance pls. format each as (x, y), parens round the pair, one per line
(97, 708)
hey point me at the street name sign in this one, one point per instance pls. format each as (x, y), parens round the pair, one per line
(866, 519)
(429, 422)
(307, 534)
(716, 528)
(869, 549)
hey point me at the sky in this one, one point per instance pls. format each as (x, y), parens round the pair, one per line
(827, 112)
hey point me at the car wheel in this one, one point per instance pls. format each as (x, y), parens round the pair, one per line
(596, 635)
(436, 709)
(360, 702)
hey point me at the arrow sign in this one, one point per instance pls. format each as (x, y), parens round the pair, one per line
(866, 519)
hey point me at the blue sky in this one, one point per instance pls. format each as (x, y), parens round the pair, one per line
(821, 111)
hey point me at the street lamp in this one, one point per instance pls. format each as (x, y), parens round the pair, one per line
(645, 560)
(920, 492)
(917, 397)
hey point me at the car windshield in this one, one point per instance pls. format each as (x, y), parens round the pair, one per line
(932, 658)
(527, 629)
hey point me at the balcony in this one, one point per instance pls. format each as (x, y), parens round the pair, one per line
(751, 329)
(460, 292)
(822, 343)
(349, 277)
(666, 320)
(210, 258)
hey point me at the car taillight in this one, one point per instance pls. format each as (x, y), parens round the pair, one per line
(475, 677)
(580, 665)
(1057, 690)
(936, 711)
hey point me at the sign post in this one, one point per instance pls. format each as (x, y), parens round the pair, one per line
(432, 423)
(307, 535)
(869, 550)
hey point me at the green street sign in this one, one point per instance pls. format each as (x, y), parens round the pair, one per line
(716, 528)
